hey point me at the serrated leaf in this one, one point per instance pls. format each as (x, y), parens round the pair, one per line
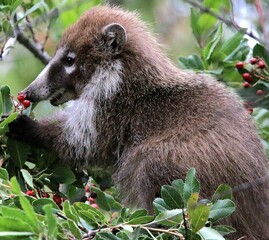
(223, 191)
(210, 233)
(4, 174)
(221, 209)
(15, 186)
(232, 43)
(50, 221)
(169, 218)
(199, 217)
(171, 197)
(194, 24)
(27, 177)
(18, 151)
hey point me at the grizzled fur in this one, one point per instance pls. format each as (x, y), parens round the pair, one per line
(132, 108)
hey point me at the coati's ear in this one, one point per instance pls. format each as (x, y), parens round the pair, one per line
(115, 37)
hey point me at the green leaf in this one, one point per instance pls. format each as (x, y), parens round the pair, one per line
(15, 5)
(141, 220)
(7, 224)
(224, 230)
(105, 201)
(194, 24)
(63, 174)
(18, 151)
(138, 213)
(160, 205)
(169, 218)
(4, 174)
(193, 62)
(192, 204)
(9, 119)
(232, 43)
(210, 233)
(27, 177)
(15, 186)
(223, 191)
(211, 46)
(171, 197)
(7, 104)
(69, 213)
(262, 52)
(221, 209)
(191, 185)
(51, 221)
(74, 229)
(16, 214)
(40, 203)
(199, 217)
(18, 234)
(95, 214)
(107, 236)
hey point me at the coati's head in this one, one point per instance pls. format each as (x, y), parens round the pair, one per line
(93, 53)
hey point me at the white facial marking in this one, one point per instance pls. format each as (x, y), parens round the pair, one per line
(70, 69)
(80, 127)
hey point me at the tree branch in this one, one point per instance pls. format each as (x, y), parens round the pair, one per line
(228, 22)
(32, 47)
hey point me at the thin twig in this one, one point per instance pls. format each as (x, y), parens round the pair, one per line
(228, 22)
(32, 47)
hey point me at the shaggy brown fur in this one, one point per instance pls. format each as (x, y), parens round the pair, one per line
(134, 109)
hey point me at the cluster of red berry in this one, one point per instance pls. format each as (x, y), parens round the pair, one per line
(56, 197)
(255, 73)
(23, 102)
(90, 197)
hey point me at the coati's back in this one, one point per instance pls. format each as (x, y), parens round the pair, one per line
(135, 109)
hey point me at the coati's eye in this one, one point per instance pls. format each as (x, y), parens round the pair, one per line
(69, 61)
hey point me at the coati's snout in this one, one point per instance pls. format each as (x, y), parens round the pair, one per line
(57, 80)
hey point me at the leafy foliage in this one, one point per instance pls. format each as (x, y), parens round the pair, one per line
(41, 218)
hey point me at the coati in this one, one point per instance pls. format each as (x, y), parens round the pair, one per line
(134, 109)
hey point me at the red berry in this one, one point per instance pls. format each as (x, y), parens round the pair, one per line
(250, 110)
(246, 85)
(57, 199)
(247, 77)
(259, 92)
(239, 65)
(91, 200)
(45, 195)
(261, 64)
(21, 97)
(253, 60)
(87, 188)
(30, 193)
(95, 205)
(26, 103)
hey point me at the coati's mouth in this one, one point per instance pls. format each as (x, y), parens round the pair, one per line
(61, 96)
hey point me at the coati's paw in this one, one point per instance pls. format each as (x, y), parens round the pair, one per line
(23, 129)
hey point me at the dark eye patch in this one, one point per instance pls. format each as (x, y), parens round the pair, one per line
(68, 61)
